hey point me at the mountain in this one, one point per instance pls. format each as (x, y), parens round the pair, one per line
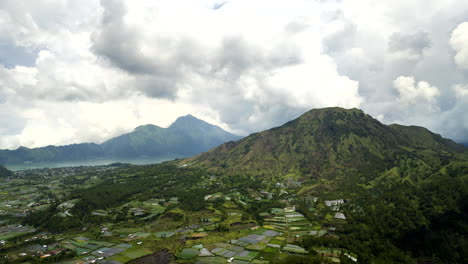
(74, 152)
(406, 188)
(4, 172)
(329, 143)
(187, 136)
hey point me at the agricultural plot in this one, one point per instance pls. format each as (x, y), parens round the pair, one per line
(11, 231)
(260, 246)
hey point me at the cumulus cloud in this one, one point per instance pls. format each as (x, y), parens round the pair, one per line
(461, 90)
(64, 122)
(224, 63)
(413, 92)
(408, 46)
(459, 42)
(67, 67)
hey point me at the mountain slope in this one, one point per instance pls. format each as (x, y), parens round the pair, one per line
(406, 188)
(4, 172)
(328, 143)
(74, 152)
(185, 137)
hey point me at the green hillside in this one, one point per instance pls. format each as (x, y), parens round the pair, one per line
(334, 185)
(330, 143)
(408, 187)
(4, 172)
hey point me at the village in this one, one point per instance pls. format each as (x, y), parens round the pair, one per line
(222, 232)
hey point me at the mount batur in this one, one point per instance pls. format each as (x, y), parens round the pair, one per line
(333, 185)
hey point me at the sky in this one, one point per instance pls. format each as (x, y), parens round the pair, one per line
(76, 71)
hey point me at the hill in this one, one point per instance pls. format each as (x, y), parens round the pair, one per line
(185, 137)
(4, 172)
(331, 184)
(330, 143)
(407, 187)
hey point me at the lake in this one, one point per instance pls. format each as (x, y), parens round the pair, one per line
(92, 162)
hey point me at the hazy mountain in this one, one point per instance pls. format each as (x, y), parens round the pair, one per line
(4, 172)
(185, 137)
(329, 143)
(72, 152)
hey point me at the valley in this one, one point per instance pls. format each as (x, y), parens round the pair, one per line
(333, 186)
(229, 221)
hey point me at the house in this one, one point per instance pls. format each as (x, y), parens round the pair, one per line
(334, 204)
(56, 251)
(340, 216)
(330, 203)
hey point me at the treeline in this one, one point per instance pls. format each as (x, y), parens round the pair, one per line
(122, 186)
(406, 219)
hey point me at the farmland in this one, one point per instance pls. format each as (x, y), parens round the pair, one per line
(122, 213)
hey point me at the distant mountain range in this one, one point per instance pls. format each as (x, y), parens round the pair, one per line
(185, 137)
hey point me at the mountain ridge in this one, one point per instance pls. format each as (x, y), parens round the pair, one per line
(178, 140)
(407, 187)
(328, 142)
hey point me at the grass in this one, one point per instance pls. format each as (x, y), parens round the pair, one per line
(79, 251)
(136, 253)
(270, 250)
(12, 235)
(121, 258)
(266, 255)
(251, 255)
(127, 230)
(257, 247)
(102, 243)
(276, 242)
(188, 253)
(214, 260)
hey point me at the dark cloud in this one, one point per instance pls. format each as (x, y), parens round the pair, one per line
(343, 34)
(117, 43)
(248, 66)
(156, 86)
(235, 56)
(415, 43)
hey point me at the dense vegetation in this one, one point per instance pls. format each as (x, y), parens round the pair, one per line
(408, 186)
(404, 191)
(4, 172)
(329, 143)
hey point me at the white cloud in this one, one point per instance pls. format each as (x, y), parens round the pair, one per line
(413, 92)
(461, 90)
(247, 66)
(68, 122)
(459, 42)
